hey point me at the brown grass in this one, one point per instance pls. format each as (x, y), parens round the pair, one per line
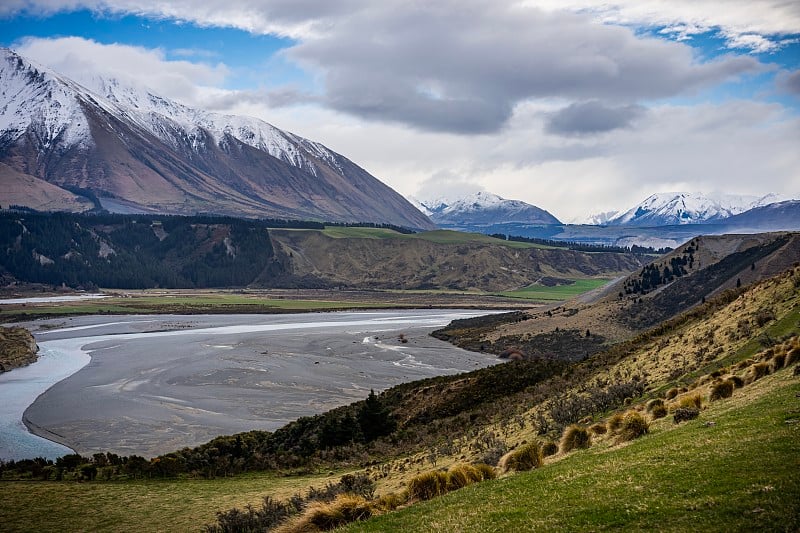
(526, 457)
(721, 390)
(634, 425)
(346, 508)
(575, 437)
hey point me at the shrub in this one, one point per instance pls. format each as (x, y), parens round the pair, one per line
(462, 475)
(575, 437)
(526, 457)
(672, 393)
(756, 372)
(723, 389)
(634, 425)
(615, 422)
(550, 448)
(271, 513)
(344, 509)
(655, 402)
(427, 485)
(599, 429)
(659, 411)
(682, 414)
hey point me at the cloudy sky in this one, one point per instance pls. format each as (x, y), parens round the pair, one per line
(577, 106)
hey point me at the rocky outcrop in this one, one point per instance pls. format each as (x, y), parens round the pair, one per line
(17, 348)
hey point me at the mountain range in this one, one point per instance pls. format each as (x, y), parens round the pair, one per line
(675, 208)
(481, 208)
(107, 145)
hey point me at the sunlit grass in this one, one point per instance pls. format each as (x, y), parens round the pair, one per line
(558, 292)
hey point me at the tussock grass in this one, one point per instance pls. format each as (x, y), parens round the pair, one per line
(723, 389)
(598, 429)
(526, 457)
(324, 516)
(683, 414)
(574, 438)
(659, 411)
(427, 485)
(756, 372)
(549, 448)
(634, 425)
(654, 403)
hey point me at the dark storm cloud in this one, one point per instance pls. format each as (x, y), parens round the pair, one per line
(463, 66)
(592, 117)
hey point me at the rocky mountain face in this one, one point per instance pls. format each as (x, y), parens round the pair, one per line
(679, 208)
(482, 209)
(127, 150)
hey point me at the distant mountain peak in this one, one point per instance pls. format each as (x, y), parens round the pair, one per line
(481, 208)
(675, 208)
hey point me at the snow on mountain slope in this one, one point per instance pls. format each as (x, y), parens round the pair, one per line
(129, 149)
(688, 208)
(482, 208)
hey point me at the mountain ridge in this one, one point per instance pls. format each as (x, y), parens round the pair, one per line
(481, 208)
(139, 152)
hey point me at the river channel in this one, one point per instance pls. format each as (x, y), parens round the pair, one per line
(151, 384)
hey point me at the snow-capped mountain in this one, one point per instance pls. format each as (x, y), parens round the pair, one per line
(688, 208)
(598, 219)
(482, 209)
(128, 149)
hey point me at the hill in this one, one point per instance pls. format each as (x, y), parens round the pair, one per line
(146, 251)
(674, 476)
(125, 149)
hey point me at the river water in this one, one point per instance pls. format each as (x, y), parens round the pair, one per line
(151, 384)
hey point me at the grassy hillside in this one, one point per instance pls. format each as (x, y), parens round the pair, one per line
(439, 260)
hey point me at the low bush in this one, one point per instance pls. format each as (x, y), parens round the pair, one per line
(634, 425)
(271, 513)
(427, 485)
(575, 437)
(526, 457)
(723, 389)
(549, 448)
(682, 414)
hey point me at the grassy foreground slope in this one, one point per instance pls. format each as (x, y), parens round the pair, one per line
(740, 474)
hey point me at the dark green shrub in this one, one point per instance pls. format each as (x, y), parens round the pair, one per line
(575, 437)
(634, 425)
(526, 457)
(549, 448)
(682, 414)
(723, 389)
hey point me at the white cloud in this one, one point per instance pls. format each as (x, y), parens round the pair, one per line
(80, 58)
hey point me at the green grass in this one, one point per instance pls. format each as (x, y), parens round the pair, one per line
(742, 474)
(153, 505)
(437, 236)
(559, 292)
